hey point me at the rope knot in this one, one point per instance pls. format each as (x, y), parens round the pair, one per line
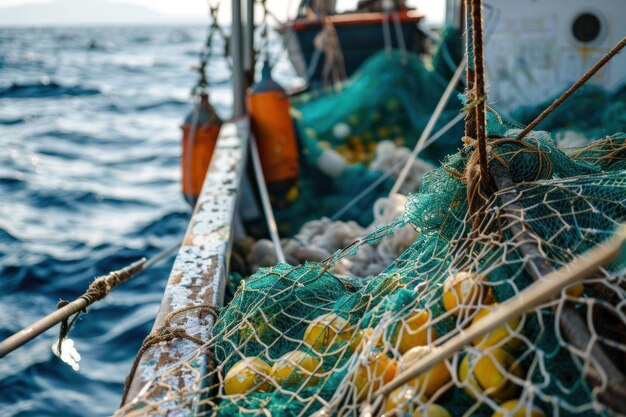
(98, 289)
(469, 141)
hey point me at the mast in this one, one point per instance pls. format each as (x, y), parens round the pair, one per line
(248, 53)
(242, 52)
(236, 48)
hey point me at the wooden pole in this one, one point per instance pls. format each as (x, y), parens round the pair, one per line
(533, 296)
(30, 332)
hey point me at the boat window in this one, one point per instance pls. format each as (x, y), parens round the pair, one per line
(587, 27)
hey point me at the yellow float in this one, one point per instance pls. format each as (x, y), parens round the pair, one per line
(464, 290)
(507, 410)
(413, 331)
(249, 374)
(428, 382)
(362, 337)
(377, 370)
(296, 368)
(575, 290)
(499, 334)
(404, 399)
(399, 401)
(483, 373)
(326, 330)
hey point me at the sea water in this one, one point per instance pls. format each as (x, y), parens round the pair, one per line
(89, 182)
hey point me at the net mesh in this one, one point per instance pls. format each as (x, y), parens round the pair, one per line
(298, 340)
(591, 112)
(389, 99)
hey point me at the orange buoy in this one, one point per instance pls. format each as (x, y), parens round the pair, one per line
(200, 132)
(268, 105)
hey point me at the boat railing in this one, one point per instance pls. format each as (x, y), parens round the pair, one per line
(197, 280)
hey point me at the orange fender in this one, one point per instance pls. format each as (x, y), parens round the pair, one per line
(268, 106)
(198, 150)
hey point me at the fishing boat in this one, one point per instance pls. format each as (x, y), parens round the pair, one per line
(198, 282)
(360, 35)
(495, 277)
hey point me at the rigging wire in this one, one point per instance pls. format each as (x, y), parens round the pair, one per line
(443, 101)
(394, 168)
(265, 200)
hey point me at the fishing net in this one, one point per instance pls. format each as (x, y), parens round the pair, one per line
(592, 112)
(298, 340)
(391, 97)
(345, 134)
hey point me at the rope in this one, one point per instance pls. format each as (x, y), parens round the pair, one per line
(66, 327)
(265, 200)
(386, 32)
(265, 40)
(334, 64)
(479, 87)
(470, 119)
(286, 39)
(476, 174)
(391, 170)
(207, 49)
(165, 333)
(429, 127)
(392, 12)
(98, 290)
(582, 80)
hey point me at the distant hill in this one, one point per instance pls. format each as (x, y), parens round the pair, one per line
(87, 12)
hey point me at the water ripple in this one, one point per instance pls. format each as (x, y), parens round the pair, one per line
(89, 182)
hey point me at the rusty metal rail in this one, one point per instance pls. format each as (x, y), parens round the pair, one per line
(199, 272)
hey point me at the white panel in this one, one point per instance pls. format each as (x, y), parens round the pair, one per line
(532, 54)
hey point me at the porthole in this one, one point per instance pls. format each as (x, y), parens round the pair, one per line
(587, 27)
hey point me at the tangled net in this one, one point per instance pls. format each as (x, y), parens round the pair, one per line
(352, 135)
(300, 341)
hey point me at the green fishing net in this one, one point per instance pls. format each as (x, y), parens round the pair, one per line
(390, 98)
(592, 112)
(461, 264)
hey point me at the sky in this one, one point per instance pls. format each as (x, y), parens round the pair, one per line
(197, 9)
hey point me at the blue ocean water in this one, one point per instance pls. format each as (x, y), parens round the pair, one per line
(89, 182)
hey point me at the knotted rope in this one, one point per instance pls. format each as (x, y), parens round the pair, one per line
(479, 87)
(98, 290)
(166, 333)
(476, 175)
